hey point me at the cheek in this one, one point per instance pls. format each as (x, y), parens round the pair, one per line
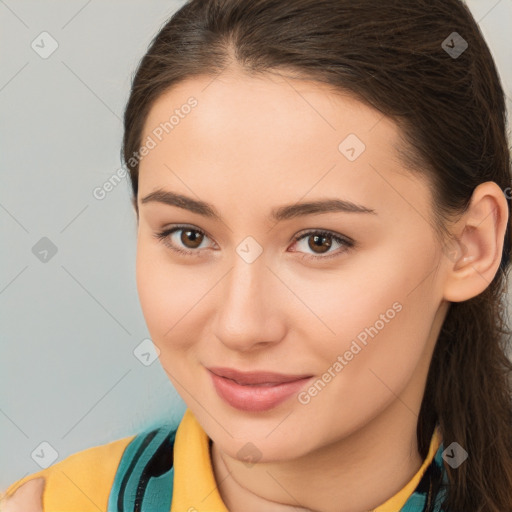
(164, 293)
(382, 321)
(359, 303)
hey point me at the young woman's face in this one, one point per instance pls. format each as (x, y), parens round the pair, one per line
(355, 304)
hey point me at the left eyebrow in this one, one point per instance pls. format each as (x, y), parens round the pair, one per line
(318, 207)
(277, 214)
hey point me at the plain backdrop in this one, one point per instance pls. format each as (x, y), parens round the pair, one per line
(76, 370)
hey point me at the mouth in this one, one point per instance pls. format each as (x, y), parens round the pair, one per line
(256, 377)
(255, 391)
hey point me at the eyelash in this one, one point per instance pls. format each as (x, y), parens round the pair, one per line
(163, 236)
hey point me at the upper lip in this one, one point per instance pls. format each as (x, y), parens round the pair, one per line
(255, 377)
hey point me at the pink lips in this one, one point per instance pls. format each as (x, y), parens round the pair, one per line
(255, 391)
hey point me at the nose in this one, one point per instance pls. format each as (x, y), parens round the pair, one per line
(249, 313)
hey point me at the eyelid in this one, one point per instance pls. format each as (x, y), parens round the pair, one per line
(163, 236)
(343, 240)
(348, 243)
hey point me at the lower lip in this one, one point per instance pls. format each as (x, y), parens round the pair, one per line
(255, 397)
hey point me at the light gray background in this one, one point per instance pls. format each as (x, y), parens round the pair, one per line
(69, 325)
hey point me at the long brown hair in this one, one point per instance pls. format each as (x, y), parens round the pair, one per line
(394, 57)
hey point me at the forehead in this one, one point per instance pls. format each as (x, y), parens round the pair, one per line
(270, 135)
(235, 104)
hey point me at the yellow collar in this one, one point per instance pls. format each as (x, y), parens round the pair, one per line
(195, 488)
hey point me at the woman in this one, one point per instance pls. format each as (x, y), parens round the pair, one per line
(323, 240)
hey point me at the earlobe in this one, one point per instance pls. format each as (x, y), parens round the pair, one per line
(481, 233)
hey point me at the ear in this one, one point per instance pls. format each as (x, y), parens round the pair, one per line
(480, 233)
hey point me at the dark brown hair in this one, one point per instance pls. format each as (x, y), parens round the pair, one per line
(451, 114)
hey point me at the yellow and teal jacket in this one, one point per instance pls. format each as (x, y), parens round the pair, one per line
(169, 469)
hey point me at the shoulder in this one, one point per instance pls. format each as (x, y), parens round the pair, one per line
(81, 481)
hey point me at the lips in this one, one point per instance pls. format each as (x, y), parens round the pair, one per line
(255, 391)
(249, 378)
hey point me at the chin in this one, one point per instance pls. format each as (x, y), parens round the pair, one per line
(256, 445)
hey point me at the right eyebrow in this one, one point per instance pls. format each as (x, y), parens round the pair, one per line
(181, 201)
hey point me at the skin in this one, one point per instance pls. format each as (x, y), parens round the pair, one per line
(27, 498)
(253, 144)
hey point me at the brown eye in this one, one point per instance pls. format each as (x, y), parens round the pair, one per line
(183, 239)
(191, 238)
(320, 243)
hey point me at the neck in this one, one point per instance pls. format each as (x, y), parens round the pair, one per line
(355, 474)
